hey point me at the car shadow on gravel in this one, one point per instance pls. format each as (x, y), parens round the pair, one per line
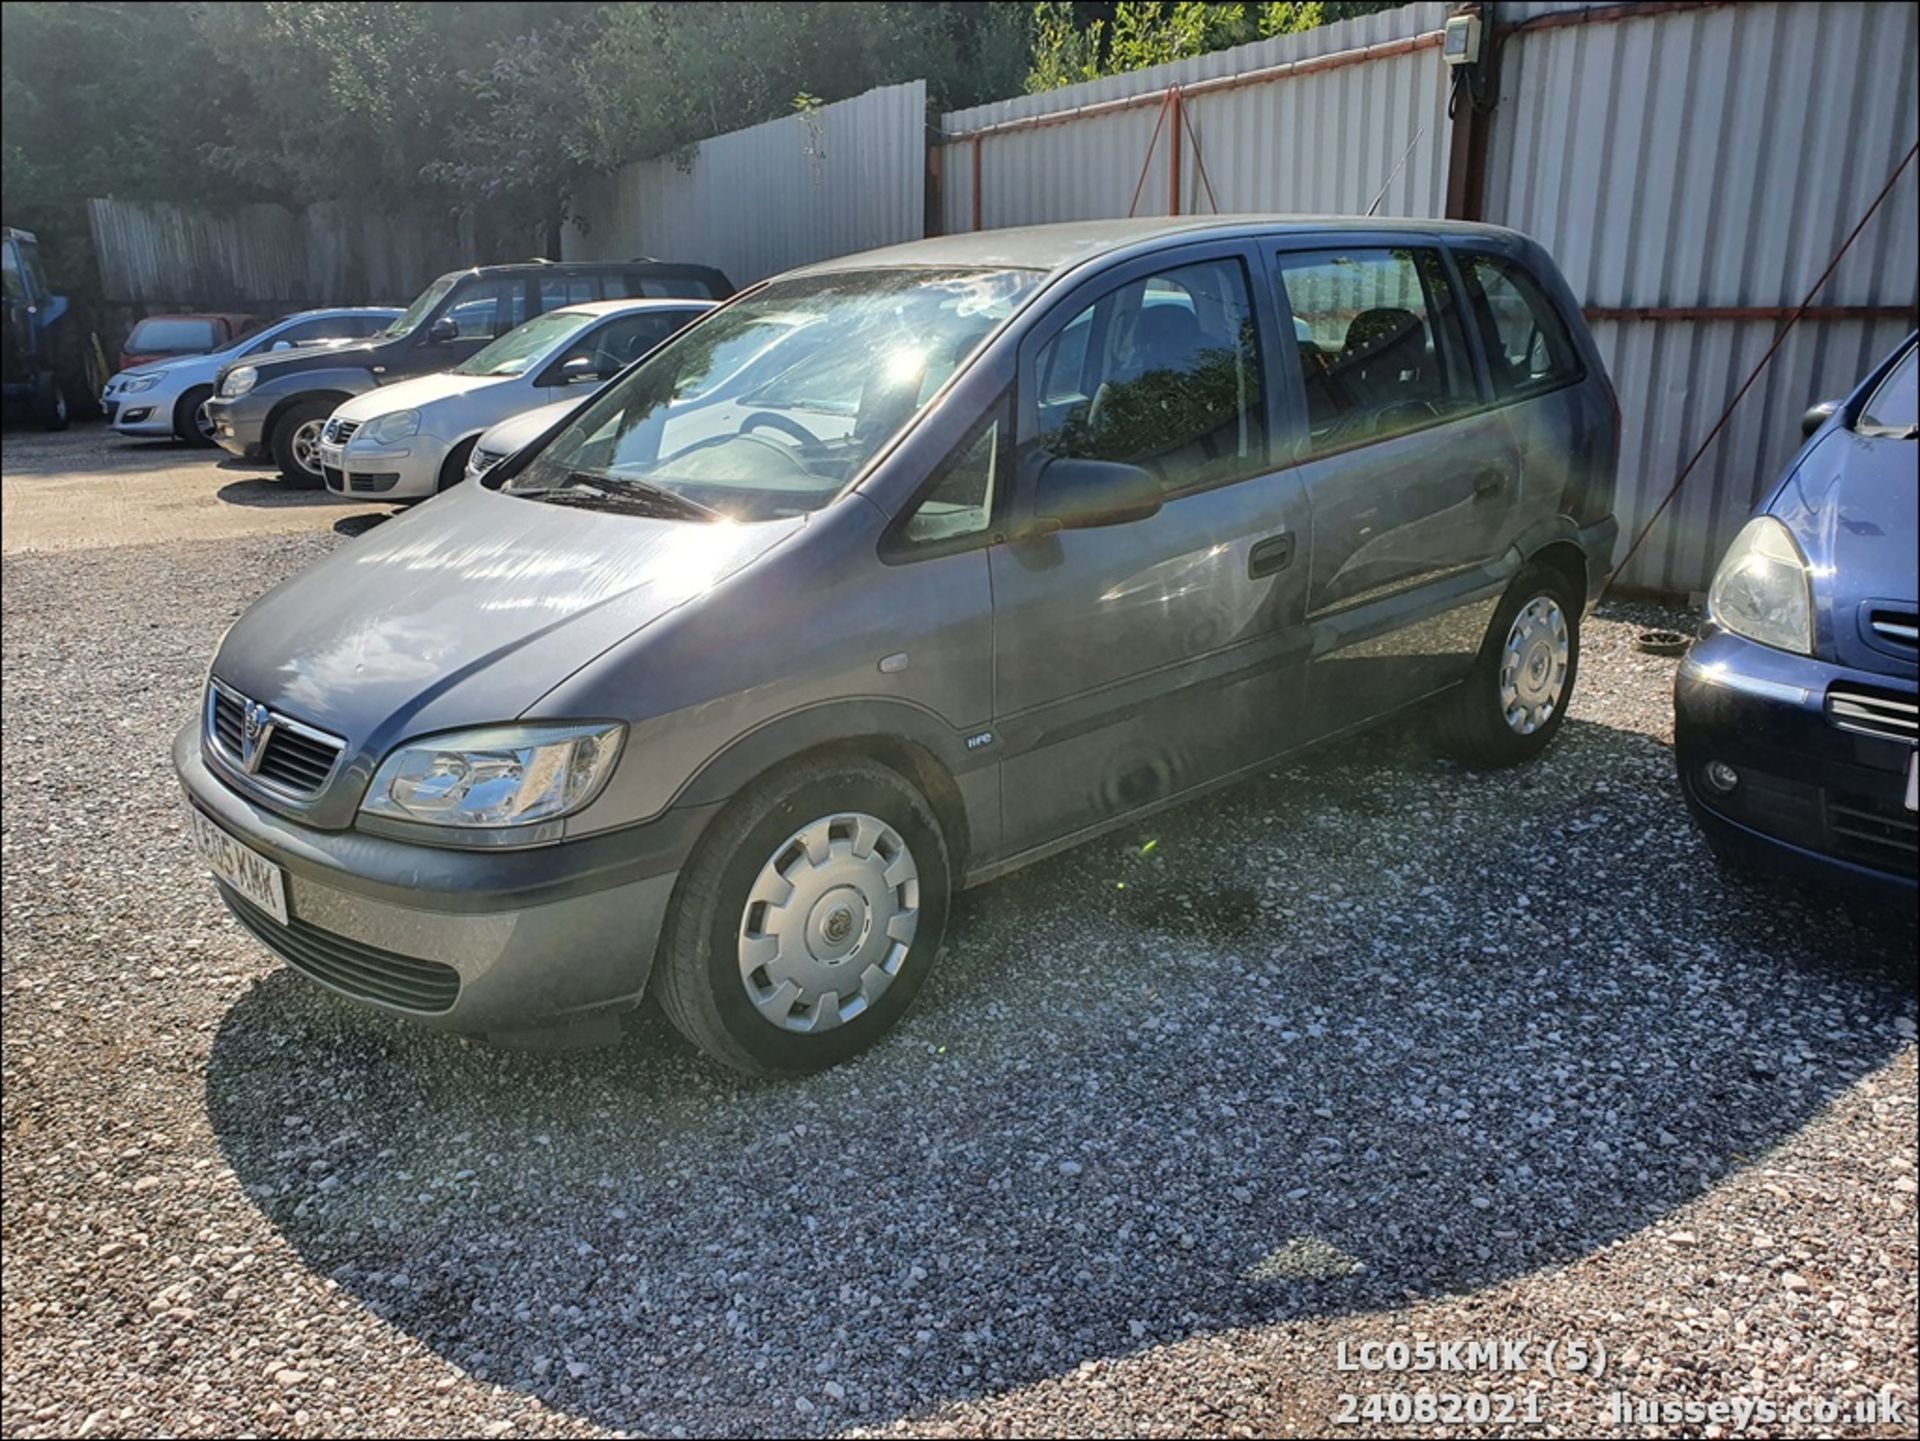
(271, 490)
(1360, 1029)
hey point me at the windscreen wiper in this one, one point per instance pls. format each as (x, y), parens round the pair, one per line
(622, 487)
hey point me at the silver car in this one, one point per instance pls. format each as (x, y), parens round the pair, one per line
(888, 576)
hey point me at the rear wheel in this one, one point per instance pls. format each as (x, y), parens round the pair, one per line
(50, 402)
(1514, 700)
(296, 442)
(808, 918)
(191, 422)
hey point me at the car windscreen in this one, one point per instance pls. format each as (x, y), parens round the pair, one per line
(422, 307)
(840, 364)
(520, 347)
(1891, 409)
(171, 337)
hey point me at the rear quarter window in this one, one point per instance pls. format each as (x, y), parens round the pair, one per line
(1526, 341)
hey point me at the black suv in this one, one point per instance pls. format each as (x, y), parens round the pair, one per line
(275, 406)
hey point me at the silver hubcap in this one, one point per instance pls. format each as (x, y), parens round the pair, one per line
(306, 446)
(828, 922)
(1533, 667)
(203, 422)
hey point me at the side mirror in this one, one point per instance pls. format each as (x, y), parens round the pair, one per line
(1082, 494)
(281, 345)
(444, 330)
(1817, 416)
(580, 367)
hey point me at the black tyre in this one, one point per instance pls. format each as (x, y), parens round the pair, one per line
(1513, 702)
(295, 442)
(190, 422)
(807, 919)
(50, 402)
(453, 469)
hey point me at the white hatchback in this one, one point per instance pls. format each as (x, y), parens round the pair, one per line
(411, 439)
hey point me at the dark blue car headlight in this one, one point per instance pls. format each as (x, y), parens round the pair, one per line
(1763, 589)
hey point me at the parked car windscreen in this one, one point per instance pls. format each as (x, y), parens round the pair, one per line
(421, 308)
(522, 346)
(842, 364)
(171, 337)
(1891, 409)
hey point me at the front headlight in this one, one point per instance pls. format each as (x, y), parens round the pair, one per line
(397, 426)
(239, 382)
(497, 775)
(139, 383)
(1762, 590)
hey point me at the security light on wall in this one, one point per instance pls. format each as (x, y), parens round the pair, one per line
(1460, 43)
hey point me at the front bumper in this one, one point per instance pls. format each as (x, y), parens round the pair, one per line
(1812, 800)
(144, 413)
(496, 942)
(240, 422)
(407, 471)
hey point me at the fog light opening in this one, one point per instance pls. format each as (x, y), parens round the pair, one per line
(1720, 777)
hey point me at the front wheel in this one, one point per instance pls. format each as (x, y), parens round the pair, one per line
(807, 919)
(50, 402)
(1515, 698)
(191, 422)
(296, 442)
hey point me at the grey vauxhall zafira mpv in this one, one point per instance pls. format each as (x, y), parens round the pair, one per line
(892, 574)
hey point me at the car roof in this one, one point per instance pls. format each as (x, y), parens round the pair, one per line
(636, 302)
(331, 310)
(1060, 247)
(584, 267)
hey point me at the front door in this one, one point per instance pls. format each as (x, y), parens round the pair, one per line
(1412, 479)
(1135, 661)
(472, 317)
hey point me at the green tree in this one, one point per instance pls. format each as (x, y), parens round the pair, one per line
(1076, 42)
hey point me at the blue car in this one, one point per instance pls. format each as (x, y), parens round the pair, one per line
(1795, 711)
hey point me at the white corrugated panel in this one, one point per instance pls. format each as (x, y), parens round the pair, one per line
(1323, 142)
(1714, 157)
(850, 176)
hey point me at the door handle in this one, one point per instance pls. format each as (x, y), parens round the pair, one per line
(1489, 483)
(1271, 555)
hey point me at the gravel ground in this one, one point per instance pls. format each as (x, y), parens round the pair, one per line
(1369, 1049)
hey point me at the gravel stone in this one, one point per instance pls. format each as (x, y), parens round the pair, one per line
(1367, 1048)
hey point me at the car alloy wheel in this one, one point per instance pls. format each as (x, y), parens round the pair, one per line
(305, 445)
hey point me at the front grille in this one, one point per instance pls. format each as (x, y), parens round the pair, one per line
(379, 481)
(364, 972)
(1874, 713)
(339, 432)
(1879, 833)
(294, 757)
(107, 408)
(485, 460)
(1871, 828)
(1896, 627)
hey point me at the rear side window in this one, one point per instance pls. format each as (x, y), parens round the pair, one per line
(559, 290)
(1163, 373)
(1378, 335)
(1527, 345)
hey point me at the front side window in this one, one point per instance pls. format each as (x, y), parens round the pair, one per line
(1162, 373)
(618, 343)
(423, 305)
(1379, 342)
(488, 309)
(523, 345)
(1527, 345)
(772, 405)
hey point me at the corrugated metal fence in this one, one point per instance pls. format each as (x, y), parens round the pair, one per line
(267, 257)
(1693, 167)
(845, 177)
(1714, 159)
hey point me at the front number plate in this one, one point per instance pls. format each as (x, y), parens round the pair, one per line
(245, 869)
